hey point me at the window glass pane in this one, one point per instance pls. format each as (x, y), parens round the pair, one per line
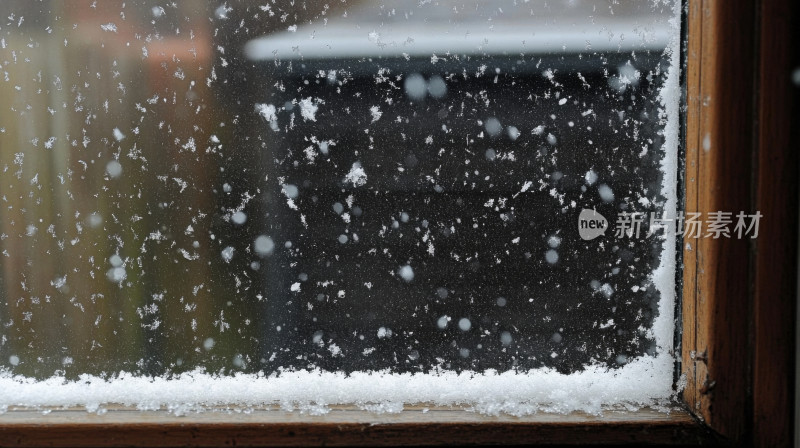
(349, 186)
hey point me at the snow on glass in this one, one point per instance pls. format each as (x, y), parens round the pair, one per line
(349, 202)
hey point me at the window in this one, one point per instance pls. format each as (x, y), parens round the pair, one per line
(382, 204)
(390, 187)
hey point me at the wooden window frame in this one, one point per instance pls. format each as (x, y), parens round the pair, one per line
(739, 295)
(738, 303)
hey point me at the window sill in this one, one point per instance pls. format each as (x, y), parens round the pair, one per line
(345, 426)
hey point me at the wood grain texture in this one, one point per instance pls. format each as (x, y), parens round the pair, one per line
(739, 295)
(345, 427)
(690, 180)
(721, 133)
(775, 288)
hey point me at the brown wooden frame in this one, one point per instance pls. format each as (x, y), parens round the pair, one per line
(738, 304)
(345, 427)
(739, 296)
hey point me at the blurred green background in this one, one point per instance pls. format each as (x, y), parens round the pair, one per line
(88, 88)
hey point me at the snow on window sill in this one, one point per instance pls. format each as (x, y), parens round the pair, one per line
(646, 381)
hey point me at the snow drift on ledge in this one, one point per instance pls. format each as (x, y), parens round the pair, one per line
(592, 390)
